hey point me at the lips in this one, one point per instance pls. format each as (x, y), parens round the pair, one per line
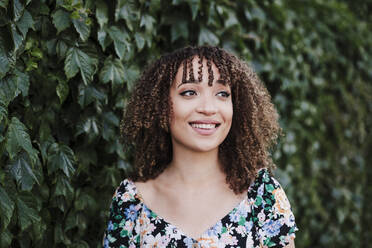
(205, 127)
(205, 124)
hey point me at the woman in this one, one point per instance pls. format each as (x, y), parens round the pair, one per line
(200, 123)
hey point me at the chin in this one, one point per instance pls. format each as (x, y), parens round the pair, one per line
(205, 148)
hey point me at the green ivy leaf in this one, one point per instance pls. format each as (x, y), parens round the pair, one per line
(179, 29)
(77, 219)
(26, 214)
(113, 70)
(39, 229)
(61, 157)
(17, 38)
(60, 202)
(89, 94)
(22, 173)
(3, 110)
(76, 60)
(90, 126)
(177, 2)
(101, 13)
(121, 40)
(5, 238)
(81, 25)
(37, 53)
(61, 20)
(17, 139)
(25, 23)
(140, 40)
(4, 60)
(194, 6)
(4, 3)
(131, 74)
(6, 208)
(110, 121)
(71, 221)
(86, 156)
(83, 201)
(108, 133)
(109, 176)
(127, 11)
(12, 85)
(60, 236)
(22, 81)
(111, 118)
(231, 19)
(8, 89)
(44, 9)
(51, 47)
(62, 90)
(45, 143)
(18, 8)
(31, 65)
(103, 39)
(63, 186)
(212, 15)
(207, 37)
(120, 49)
(258, 13)
(149, 39)
(147, 21)
(61, 49)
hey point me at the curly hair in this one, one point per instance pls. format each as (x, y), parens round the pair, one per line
(146, 120)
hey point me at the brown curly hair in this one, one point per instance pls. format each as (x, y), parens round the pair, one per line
(254, 129)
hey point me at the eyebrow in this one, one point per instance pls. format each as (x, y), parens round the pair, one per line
(197, 82)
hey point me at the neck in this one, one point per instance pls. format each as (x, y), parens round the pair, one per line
(194, 168)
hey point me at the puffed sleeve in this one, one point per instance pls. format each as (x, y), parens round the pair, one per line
(123, 213)
(275, 220)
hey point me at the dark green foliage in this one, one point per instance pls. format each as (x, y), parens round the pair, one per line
(67, 68)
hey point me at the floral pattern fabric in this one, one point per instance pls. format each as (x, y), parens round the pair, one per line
(263, 219)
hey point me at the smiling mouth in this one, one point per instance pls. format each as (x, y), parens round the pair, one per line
(204, 125)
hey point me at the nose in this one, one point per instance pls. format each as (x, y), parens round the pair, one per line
(206, 106)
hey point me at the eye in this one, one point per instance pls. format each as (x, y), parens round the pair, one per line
(223, 94)
(188, 93)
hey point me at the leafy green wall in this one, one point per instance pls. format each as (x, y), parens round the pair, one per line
(67, 68)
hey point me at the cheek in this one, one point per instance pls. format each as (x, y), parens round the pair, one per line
(178, 113)
(182, 109)
(228, 112)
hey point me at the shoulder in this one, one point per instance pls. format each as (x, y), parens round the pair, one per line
(266, 190)
(125, 196)
(272, 213)
(126, 191)
(124, 212)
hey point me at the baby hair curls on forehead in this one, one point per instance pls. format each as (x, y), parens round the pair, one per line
(146, 119)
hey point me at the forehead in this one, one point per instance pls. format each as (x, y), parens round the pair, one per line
(196, 70)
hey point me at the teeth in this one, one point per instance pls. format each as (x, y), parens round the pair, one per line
(204, 126)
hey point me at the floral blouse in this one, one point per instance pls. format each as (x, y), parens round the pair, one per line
(263, 219)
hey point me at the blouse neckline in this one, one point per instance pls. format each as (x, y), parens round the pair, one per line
(138, 196)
